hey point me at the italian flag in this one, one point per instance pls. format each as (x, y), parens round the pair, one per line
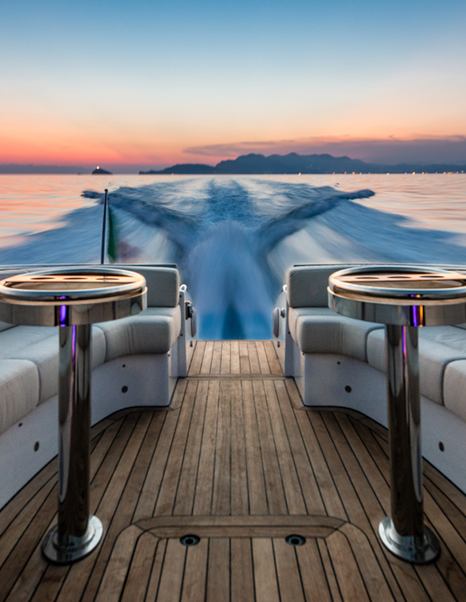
(112, 240)
(118, 249)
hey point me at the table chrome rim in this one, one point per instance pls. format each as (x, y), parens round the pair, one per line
(338, 286)
(8, 293)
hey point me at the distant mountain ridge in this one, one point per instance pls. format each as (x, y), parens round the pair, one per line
(292, 163)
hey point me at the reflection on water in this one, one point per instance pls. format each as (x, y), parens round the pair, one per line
(233, 237)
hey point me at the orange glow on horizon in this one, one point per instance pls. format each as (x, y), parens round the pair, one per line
(46, 143)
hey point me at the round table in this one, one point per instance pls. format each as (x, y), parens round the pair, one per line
(72, 299)
(404, 298)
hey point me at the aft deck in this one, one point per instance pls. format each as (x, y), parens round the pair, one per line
(239, 462)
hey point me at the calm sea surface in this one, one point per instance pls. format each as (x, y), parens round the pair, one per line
(233, 237)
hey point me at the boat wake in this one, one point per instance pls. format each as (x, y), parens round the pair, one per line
(233, 238)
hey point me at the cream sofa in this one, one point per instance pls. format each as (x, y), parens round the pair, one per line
(337, 361)
(135, 361)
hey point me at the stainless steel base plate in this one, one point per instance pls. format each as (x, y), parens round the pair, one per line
(418, 550)
(76, 549)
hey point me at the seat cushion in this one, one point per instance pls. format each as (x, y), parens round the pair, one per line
(19, 391)
(454, 388)
(18, 338)
(438, 346)
(321, 330)
(294, 313)
(154, 330)
(25, 342)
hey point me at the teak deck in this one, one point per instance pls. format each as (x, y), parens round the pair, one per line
(240, 463)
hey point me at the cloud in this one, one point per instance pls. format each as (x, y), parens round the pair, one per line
(421, 149)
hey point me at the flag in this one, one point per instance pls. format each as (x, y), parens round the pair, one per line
(112, 240)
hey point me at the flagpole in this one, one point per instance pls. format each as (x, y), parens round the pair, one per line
(104, 228)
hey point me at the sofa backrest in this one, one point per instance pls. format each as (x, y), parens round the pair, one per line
(163, 284)
(307, 285)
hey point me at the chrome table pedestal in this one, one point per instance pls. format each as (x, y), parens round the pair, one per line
(72, 299)
(404, 299)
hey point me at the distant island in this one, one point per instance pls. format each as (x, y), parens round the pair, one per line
(100, 171)
(293, 163)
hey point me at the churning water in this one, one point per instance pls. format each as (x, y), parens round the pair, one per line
(233, 237)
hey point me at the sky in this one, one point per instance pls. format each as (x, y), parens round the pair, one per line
(152, 82)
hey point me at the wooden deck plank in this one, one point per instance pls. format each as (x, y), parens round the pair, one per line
(173, 565)
(238, 477)
(140, 569)
(324, 478)
(452, 572)
(215, 367)
(239, 460)
(288, 573)
(363, 508)
(197, 358)
(286, 461)
(253, 357)
(205, 476)
(118, 566)
(235, 364)
(274, 485)
(169, 486)
(127, 504)
(262, 357)
(265, 575)
(245, 364)
(29, 570)
(195, 572)
(156, 571)
(221, 502)
(242, 574)
(187, 482)
(350, 581)
(304, 466)
(161, 451)
(312, 572)
(274, 363)
(254, 466)
(105, 509)
(225, 364)
(207, 359)
(218, 571)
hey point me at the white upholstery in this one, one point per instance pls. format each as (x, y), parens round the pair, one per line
(307, 286)
(321, 330)
(155, 330)
(438, 346)
(19, 390)
(295, 314)
(26, 343)
(318, 330)
(454, 388)
(18, 338)
(163, 284)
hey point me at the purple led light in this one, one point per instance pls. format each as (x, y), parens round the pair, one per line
(73, 343)
(414, 319)
(63, 315)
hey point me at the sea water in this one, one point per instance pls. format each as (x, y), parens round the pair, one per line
(233, 237)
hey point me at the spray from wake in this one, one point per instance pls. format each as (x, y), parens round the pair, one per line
(233, 239)
(222, 246)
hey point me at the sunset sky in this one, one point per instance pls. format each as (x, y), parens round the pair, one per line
(152, 82)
